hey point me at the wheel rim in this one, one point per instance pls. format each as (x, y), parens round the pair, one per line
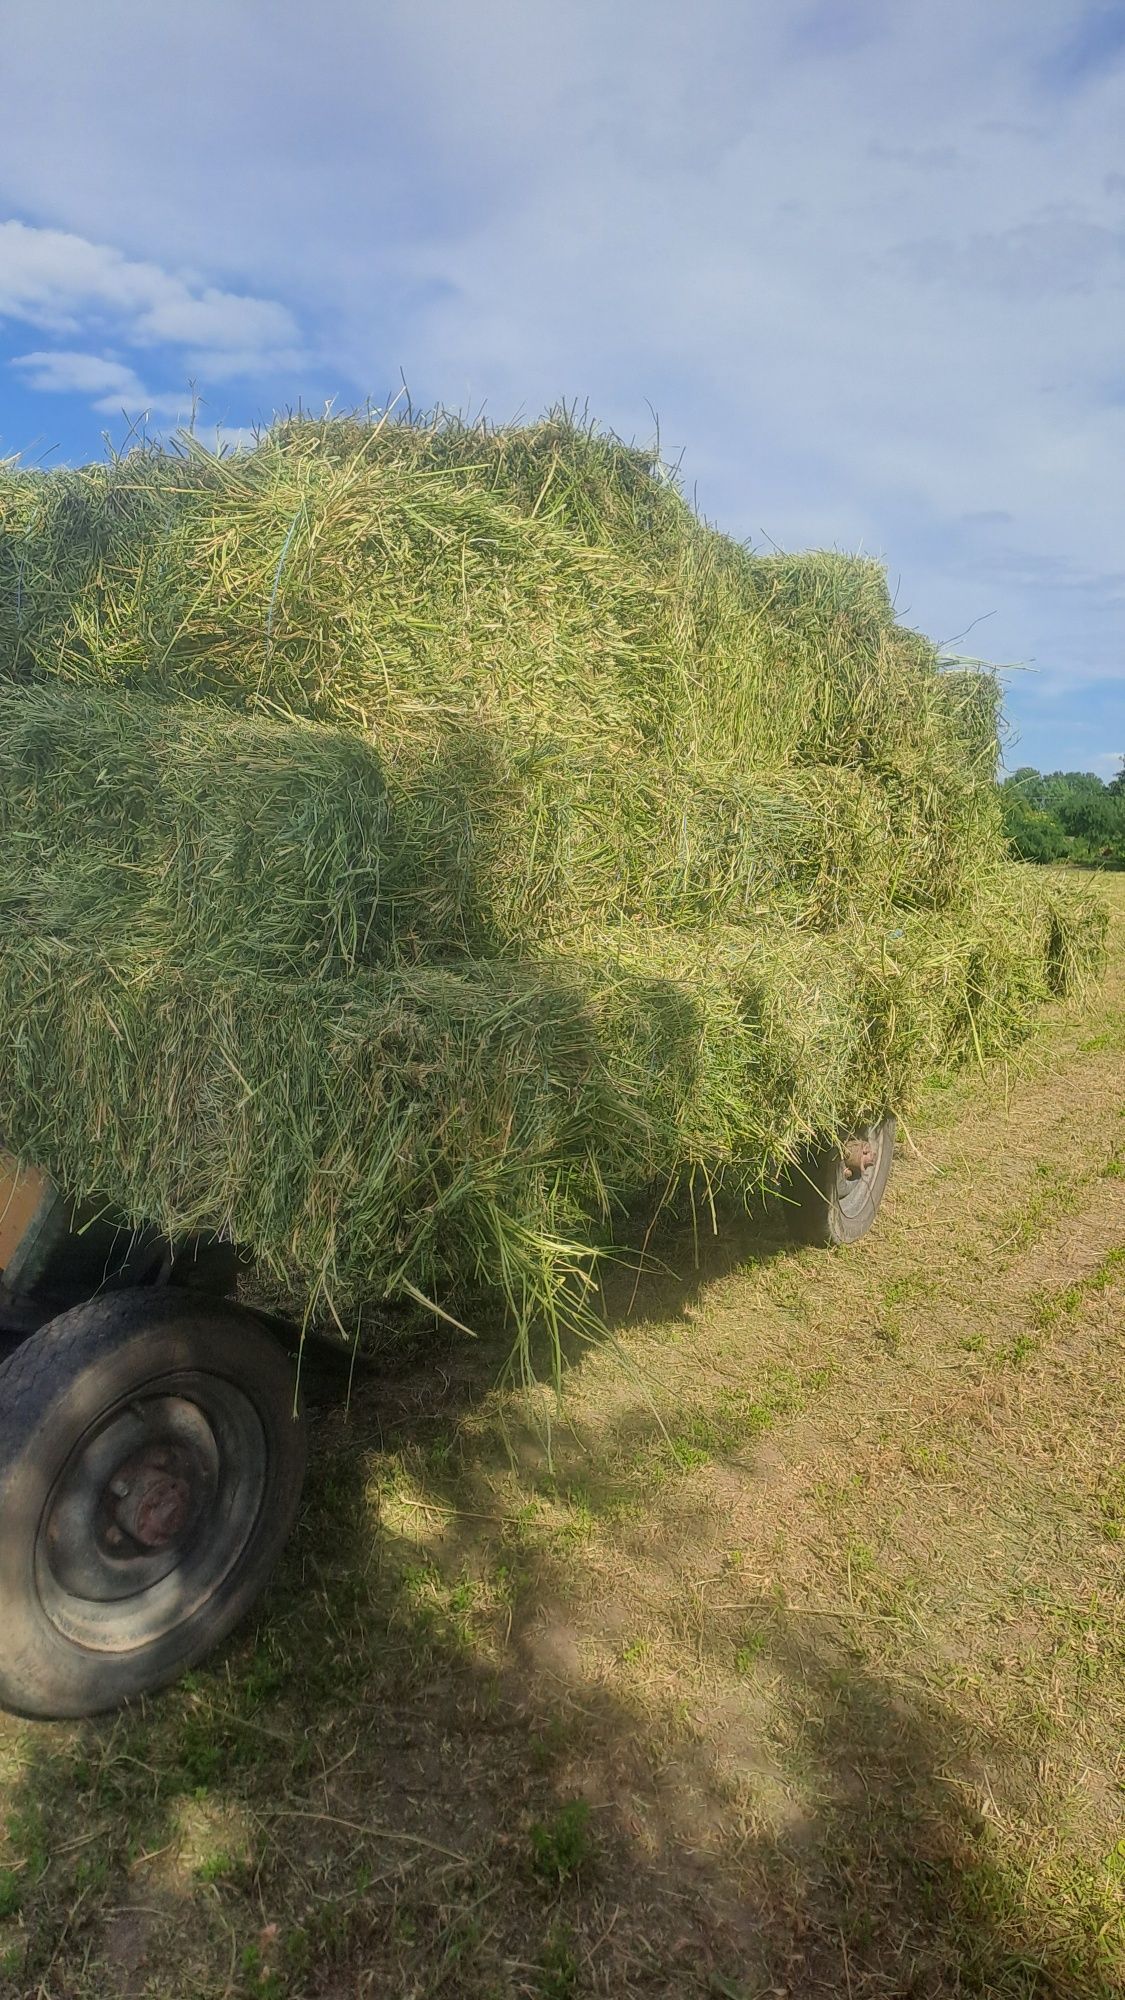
(857, 1170)
(153, 1508)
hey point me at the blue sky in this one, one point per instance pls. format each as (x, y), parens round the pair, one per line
(866, 263)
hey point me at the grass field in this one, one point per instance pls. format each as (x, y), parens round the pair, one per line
(792, 1664)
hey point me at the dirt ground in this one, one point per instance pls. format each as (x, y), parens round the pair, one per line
(787, 1659)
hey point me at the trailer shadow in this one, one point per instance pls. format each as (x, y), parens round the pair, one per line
(660, 1267)
(406, 1781)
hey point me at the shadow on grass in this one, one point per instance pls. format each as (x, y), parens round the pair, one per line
(389, 1788)
(660, 1267)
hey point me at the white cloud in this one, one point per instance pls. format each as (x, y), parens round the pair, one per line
(48, 277)
(216, 364)
(65, 285)
(67, 370)
(113, 386)
(214, 319)
(53, 279)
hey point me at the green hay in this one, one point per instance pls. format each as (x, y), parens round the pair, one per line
(968, 703)
(185, 830)
(418, 840)
(286, 846)
(454, 1133)
(397, 590)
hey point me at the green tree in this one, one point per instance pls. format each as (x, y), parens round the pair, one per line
(1031, 785)
(1060, 815)
(1034, 835)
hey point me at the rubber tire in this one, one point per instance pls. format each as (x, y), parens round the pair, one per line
(52, 1389)
(820, 1219)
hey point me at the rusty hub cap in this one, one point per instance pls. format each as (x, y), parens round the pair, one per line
(859, 1156)
(157, 1499)
(151, 1511)
(858, 1168)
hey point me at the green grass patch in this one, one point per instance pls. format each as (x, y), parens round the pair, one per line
(1069, 1300)
(564, 1844)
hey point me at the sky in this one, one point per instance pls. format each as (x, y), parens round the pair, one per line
(859, 268)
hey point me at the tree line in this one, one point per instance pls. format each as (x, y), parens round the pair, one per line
(1065, 816)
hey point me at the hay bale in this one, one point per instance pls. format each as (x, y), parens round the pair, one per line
(18, 495)
(391, 592)
(453, 1132)
(392, 1133)
(416, 840)
(191, 831)
(282, 845)
(968, 701)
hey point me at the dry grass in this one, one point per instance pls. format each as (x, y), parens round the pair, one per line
(795, 1667)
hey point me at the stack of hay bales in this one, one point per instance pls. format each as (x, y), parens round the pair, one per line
(415, 841)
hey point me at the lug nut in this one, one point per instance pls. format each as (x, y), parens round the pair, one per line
(119, 1488)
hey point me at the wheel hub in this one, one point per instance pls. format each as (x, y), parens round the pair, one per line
(858, 1167)
(150, 1512)
(859, 1156)
(157, 1495)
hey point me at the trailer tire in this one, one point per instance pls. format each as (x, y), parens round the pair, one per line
(836, 1206)
(151, 1459)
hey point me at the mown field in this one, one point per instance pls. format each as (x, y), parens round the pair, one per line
(788, 1658)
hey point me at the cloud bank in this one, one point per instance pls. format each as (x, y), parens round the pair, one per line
(867, 262)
